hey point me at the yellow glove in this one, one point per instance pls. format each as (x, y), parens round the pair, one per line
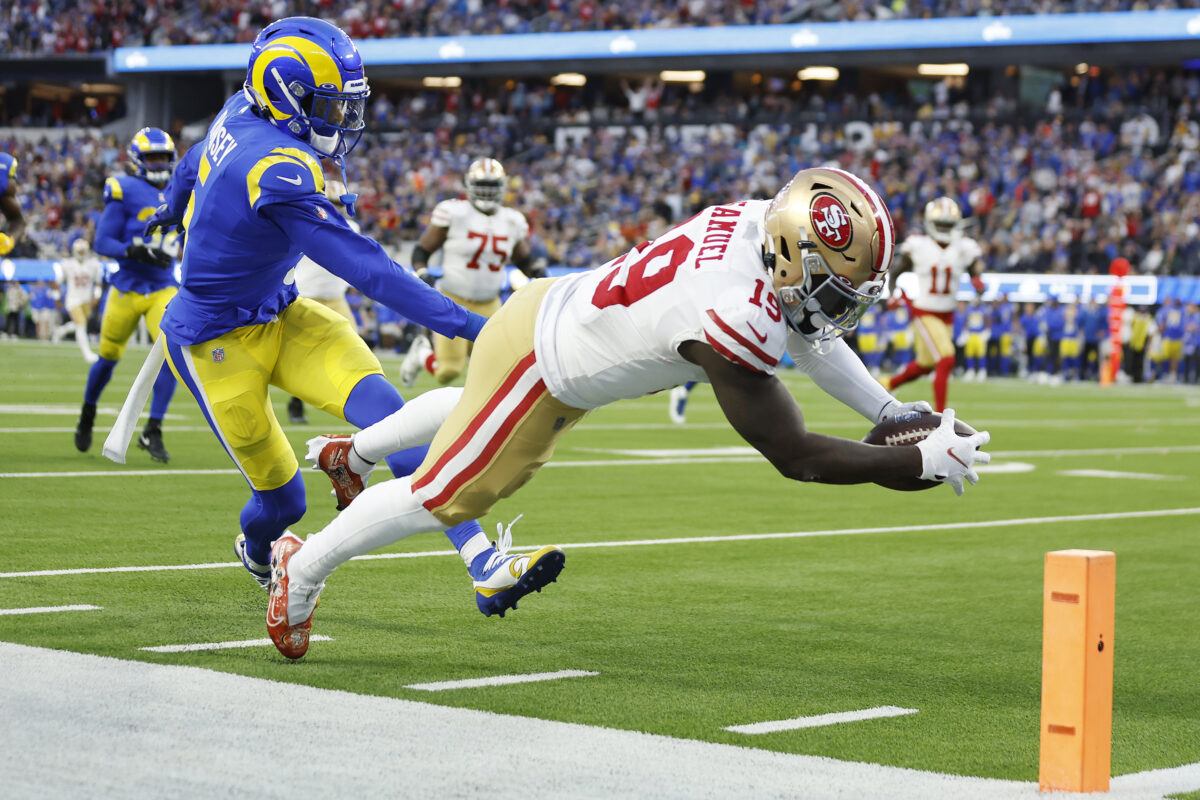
(6, 244)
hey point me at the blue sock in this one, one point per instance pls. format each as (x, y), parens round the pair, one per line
(164, 390)
(267, 514)
(372, 399)
(98, 377)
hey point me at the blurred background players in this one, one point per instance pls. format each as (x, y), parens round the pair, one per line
(1170, 321)
(1070, 348)
(81, 275)
(977, 325)
(1095, 331)
(142, 285)
(938, 258)
(478, 237)
(317, 283)
(43, 308)
(1000, 342)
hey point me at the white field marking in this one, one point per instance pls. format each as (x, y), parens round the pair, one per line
(41, 409)
(183, 722)
(1004, 468)
(174, 429)
(500, 680)
(192, 648)
(743, 537)
(48, 609)
(821, 720)
(633, 462)
(1105, 473)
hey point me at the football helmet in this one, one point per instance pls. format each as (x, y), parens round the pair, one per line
(306, 77)
(942, 219)
(828, 244)
(486, 183)
(151, 155)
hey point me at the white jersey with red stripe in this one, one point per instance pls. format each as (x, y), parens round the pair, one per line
(939, 269)
(477, 247)
(81, 279)
(614, 332)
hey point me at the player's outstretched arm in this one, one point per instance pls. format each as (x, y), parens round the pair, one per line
(316, 227)
(842, 375)
(761, 409)
(109, 229)
(179, 189)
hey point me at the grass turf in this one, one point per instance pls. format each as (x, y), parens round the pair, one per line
(687, 638)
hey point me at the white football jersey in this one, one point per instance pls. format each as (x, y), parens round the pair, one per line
(477, 247)
(313, 280)
(614, 332)
(939, 269)
(80, 278)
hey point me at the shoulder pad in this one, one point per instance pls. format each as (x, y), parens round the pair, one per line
(114, 192)
(445, 212)
(286, 173)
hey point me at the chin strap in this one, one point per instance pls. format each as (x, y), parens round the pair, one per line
(348, 199)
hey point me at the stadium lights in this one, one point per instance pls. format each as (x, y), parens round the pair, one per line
(682, 75)
(568, 79)
(818, 74)
(451, 82)
(943, 70)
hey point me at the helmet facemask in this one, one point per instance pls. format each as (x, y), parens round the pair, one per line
(486, 183)
(942, 219)
(822, 305)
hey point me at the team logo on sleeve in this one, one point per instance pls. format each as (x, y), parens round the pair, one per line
(830, 221)
(320, 212)
(218, 354)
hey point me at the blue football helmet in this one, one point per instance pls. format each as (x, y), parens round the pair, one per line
(152, 155)
(305, 77)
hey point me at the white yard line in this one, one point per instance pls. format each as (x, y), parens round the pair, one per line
(821, 720)
(500, 680)
(741, 537)
(193, 648)
(84, 725)
(648, 461)
(1106, 473)
(47, 609)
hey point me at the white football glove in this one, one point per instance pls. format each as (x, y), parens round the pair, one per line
(895, 407)
(948, 457)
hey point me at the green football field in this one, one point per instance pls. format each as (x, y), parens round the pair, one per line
(701, 589)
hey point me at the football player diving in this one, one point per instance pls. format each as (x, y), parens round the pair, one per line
(252, 198)
(717, 299)
(143, 284)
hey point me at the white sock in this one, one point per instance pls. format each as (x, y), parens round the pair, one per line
(473, 547)
(357, 462)
(411, 426)
(81, 339)
(384, 513)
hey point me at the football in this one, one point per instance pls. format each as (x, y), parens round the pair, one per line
(910, 428)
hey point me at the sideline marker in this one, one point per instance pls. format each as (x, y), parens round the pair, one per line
(1078, 613)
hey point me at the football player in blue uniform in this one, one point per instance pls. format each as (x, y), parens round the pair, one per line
(255, 197)
(142, 285)
(9, 205)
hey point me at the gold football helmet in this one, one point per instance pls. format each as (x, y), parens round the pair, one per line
(486, 183)
(942, 219)
(829, 242)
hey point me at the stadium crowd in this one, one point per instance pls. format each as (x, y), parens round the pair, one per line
(66, 26)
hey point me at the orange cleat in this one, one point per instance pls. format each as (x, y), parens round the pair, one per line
(290, 639)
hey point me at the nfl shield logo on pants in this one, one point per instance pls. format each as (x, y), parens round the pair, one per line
(218, 354)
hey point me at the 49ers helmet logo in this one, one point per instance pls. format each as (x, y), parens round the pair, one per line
(830, 221)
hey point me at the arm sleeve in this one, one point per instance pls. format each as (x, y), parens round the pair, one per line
(183, 180)
(842, 375)
(317, 228)
(109, 230)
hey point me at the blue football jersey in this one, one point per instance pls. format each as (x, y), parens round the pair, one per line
(128, 203)
(236, 260)
(8, 171)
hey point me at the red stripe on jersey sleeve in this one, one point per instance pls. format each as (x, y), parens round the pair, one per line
(734, 357)
(742, 340)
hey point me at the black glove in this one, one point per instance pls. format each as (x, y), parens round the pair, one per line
(535, 272)
(149, 255)
(162, 218)
(424, 275)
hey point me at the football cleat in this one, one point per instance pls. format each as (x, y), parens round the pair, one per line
(257, 571)
(296, 412)
(678, 407)
(151, 441)
(331, 455)
(414, 360)
(506, 578)
(83, 428)
(287, 601)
